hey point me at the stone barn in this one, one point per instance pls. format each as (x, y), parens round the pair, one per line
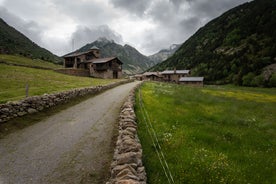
(91, 62)
(153, 76)
(194, 81)
(174, 75)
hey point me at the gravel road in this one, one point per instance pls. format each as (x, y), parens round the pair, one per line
(72, 146)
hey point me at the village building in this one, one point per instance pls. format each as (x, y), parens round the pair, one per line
(194, 81)
(153, 76)
(91, 63)
(174, 75)
(138, 77)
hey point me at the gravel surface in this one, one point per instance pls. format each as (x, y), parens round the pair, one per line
(72, 146)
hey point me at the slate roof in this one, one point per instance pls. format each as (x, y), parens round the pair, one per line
(191, 79)
(76, 54)
(170, 72)
(103, 60)
(150, 73)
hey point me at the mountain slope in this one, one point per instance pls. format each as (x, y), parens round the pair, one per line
(14, 42)
(233, 48)
(134, 61)
(164, 54)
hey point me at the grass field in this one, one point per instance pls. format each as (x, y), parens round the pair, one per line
(14, 59)
(221, 134)
(14, 79)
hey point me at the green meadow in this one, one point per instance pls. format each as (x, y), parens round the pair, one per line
(15, 59)
(214, 134)
(14, 80)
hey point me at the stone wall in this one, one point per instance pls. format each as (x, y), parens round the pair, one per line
(127, 167)
(74, 71)
(34, 104)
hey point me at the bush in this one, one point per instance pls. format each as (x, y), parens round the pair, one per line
(258, 81)
(272, 80)
(247, 79)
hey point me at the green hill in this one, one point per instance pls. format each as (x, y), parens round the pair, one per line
(14, 42)
(238, 47)
(17, 60)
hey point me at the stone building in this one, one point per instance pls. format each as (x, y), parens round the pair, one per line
(91, 63)
(174, 75)
(194, 81)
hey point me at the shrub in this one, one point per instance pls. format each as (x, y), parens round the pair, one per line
(247, 79)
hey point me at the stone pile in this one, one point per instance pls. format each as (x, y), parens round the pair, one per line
(127, 167)
(34, 104)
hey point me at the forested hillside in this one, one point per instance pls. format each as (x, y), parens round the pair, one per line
(238, 47)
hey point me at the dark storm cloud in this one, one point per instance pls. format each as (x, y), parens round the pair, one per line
(84, 35)
(137, 7)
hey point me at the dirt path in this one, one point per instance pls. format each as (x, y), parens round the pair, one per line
(72, 146)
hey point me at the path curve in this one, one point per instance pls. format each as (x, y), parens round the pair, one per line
(72, 146)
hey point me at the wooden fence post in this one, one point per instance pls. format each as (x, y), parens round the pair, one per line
(27, 89)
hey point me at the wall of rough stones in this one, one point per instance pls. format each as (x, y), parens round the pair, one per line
(34, 104)
(127, 166)
(73, 71)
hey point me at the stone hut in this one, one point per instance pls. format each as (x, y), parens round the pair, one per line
(174, 75)
(194, 81)
(92, 62)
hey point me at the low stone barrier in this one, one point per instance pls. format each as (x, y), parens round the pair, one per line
(34, 104)
(127, 167)
(74, 72)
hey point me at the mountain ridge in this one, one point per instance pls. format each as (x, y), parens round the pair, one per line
(164, 54)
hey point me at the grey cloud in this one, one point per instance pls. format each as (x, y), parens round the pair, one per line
(84, 35)
(85, 12)
(162, 12)
(206, 9)
(177, 3)
(137, 7)
(179, 19)
(190, 25)
(29, 28)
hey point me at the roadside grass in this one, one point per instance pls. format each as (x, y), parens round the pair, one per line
(15, 59)
(14, 79)
(215, 134)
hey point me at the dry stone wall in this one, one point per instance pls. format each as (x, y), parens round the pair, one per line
(74, 71)
(34, 104)
(127, 166)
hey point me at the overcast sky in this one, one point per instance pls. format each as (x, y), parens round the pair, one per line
(148, 25)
